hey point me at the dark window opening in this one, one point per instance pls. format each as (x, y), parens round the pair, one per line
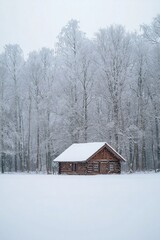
(74, 167)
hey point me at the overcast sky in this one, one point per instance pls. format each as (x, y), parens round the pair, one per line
(36, 23)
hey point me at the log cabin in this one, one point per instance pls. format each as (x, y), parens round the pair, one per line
(89, 159)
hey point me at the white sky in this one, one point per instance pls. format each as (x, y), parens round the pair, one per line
(36, 23)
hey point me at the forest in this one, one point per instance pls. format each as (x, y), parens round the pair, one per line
(84, 90)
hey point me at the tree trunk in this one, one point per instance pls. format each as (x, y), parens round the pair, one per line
(2, 126)
(158, 144)
(38, 157)
(136, 157)
(130, 155)
(153, 157)
(116, 123)
(144, 164)
(85, 114)
(29, 133)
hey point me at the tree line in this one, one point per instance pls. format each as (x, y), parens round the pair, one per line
(101, 89)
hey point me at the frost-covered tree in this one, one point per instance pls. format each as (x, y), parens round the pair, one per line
(151, 34)
(2, 113)
(48, 74)
(75, 56)
(13, 62)
(40, 76)
(114, 50)
(140, 96)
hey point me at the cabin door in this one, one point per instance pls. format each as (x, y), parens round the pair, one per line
(103, 167)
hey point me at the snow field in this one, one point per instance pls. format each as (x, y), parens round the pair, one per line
(108, 207)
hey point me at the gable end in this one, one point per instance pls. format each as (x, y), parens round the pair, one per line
(106, 152)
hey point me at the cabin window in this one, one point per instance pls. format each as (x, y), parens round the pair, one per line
(96, 167)
(93, 167)
(74, 167)
(111, 166)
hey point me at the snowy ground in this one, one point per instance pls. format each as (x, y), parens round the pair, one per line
(41, 207)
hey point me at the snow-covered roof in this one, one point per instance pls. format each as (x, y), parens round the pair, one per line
(79, 152)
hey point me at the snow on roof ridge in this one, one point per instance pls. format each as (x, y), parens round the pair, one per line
(88, 143)
(78, 152)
